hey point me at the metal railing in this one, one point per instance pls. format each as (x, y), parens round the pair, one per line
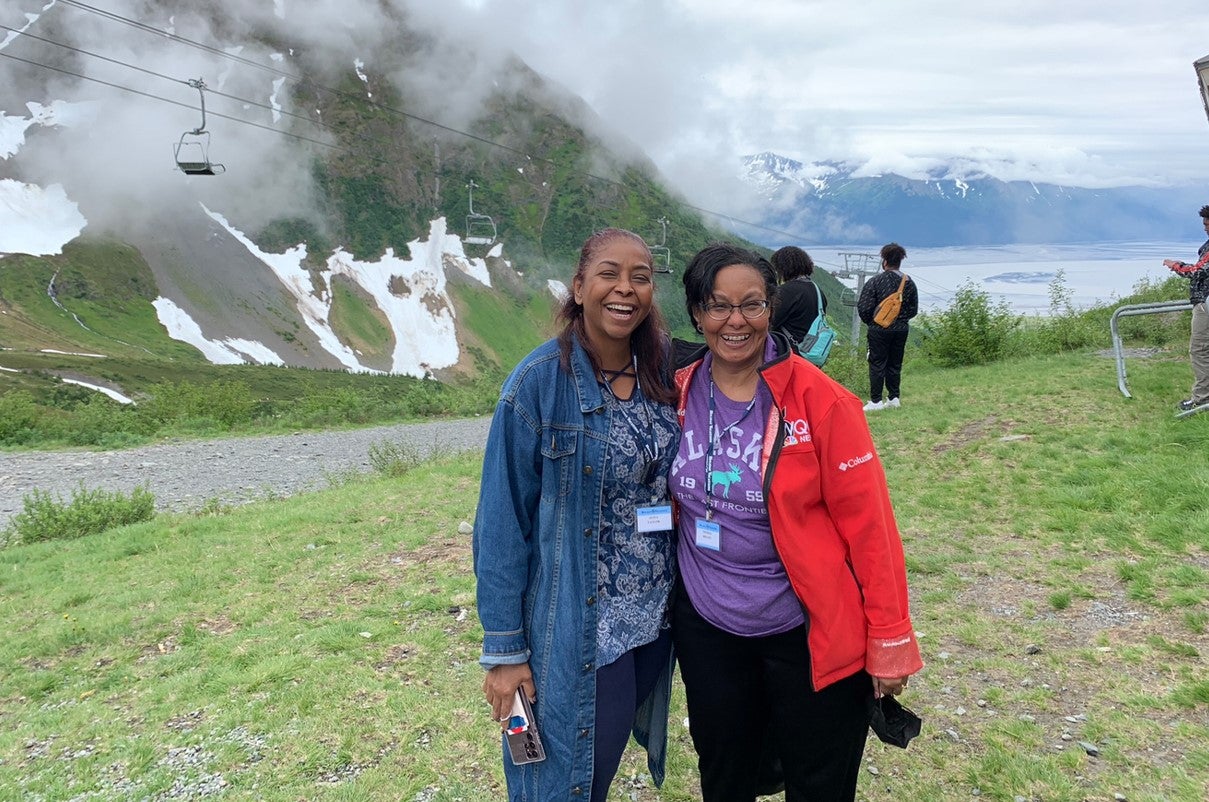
(1136, 309)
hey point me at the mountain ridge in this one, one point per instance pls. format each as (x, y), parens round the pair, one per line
(837, 203)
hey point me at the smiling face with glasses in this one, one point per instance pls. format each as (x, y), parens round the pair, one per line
(734, 318)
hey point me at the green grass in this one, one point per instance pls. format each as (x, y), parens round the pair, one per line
(324, 647)
(360, 324)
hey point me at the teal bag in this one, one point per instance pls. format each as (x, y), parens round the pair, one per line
(816, 344)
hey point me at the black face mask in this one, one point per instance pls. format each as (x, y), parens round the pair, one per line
(893, 723)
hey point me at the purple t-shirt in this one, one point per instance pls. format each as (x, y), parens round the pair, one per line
(736, 580)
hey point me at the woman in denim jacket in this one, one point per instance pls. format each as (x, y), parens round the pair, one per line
(574, 553)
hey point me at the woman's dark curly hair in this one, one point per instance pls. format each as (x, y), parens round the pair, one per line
(702, 272)
(791, 262)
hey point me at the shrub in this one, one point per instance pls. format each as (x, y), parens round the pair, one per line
(96, 420)
(227, 403)
(18, 416)
(90, 511)
(393, 458)
(1066, 328)
(849, 367)
(971, 331)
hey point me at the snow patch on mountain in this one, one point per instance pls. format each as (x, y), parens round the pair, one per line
(30, 19)
(557, 289)
(35, 220)
(12, 129)
(230, 351)
(411, 293)
(114, 394)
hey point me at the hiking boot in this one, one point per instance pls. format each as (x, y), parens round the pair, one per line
(893, 403)
(873, 406)
(1187, 405)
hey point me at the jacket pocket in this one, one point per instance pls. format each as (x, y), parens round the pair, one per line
(558, 454)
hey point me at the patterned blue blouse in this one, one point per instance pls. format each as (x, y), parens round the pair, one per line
(635, 570)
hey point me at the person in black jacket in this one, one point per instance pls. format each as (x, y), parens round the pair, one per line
(798, 296)
(887, 344)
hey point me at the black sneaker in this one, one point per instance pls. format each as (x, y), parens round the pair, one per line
(1187, 405)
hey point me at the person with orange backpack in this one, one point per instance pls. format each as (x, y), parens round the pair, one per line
(887, 302)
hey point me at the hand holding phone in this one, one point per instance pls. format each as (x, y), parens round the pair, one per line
(520, 730)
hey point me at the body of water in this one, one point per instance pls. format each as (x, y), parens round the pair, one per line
(1021, 275)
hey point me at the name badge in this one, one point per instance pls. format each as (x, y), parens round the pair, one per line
(709, 535)
(656, 518)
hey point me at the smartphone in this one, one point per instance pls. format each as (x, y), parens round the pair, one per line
(524, 744)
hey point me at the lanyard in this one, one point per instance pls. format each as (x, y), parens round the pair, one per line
(709, 453)
(649, 450)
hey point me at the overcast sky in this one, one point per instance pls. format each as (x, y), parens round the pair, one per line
(1076, 92)
(1073, 92)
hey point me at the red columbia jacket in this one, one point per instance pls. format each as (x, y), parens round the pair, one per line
(832, 522)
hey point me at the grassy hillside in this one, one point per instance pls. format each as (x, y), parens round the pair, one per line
(324, 647)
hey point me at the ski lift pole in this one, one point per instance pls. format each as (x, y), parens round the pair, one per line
(200, 86)
(854, 267)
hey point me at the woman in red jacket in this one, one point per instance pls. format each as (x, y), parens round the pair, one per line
(791, 613)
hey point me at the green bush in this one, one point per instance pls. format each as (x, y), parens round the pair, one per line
(394, 459)
(971, 331)
(849, 366)
(95, 421)
(229, 404)
(45, 517)
(1066, 328)
(18, 416)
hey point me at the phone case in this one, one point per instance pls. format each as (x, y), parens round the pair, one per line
(524, 744)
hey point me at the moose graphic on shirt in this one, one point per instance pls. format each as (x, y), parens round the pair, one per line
(724, 478)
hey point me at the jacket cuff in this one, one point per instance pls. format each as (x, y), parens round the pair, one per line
(504, 649)
(892, 657)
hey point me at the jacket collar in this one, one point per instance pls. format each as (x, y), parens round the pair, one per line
(584, 376)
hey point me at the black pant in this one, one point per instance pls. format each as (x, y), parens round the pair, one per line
(886, 350)
(620, 687)
(748, 697)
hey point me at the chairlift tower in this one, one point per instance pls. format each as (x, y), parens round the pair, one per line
(857, 266)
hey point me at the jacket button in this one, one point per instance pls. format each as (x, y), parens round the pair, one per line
(587, 666)
(577, 791)
(588, 532)
(587, 470)
(591, 600)
(585, 732)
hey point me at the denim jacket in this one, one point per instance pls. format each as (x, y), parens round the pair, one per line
(535, 555)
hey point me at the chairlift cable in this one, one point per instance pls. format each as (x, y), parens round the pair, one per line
(339, 93)
(189, 83)
(232, 118)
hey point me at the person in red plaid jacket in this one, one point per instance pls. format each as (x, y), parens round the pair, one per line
(1198, 343)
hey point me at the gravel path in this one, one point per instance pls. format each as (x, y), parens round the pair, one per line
(184, 476)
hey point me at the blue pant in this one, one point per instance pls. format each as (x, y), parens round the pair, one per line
(620, 687)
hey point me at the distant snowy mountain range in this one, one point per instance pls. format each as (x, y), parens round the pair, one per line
(839, 203)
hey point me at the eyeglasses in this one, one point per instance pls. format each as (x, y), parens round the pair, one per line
(752, 310)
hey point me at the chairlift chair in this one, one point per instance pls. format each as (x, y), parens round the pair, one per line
(192, 152)
(661, 255)
(480, 228)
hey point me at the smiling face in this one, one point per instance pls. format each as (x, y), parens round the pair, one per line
(616, 289)
(737, 342)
